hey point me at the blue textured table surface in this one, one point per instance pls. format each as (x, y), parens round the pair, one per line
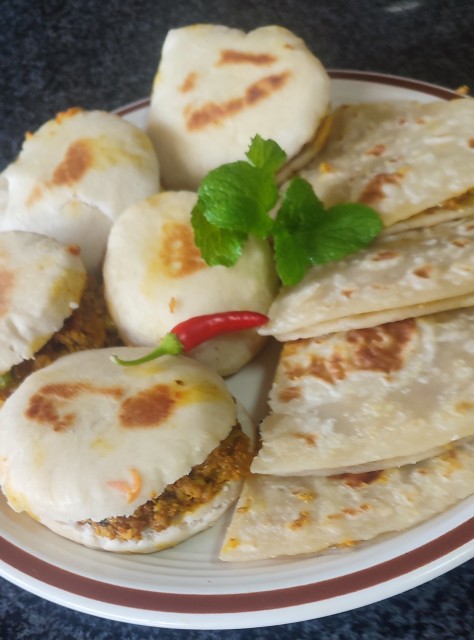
(96, 54)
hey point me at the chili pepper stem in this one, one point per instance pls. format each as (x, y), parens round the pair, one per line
(169, 345)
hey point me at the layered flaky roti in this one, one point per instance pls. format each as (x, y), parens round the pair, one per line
(41, 283)
(284, 516)
(74, 176)
(370, 398)
(401, 158)
(217, 87)
(400, 275)
(87, 446)
(155, 278)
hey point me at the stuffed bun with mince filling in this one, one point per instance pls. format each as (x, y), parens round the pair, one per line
(41, 285)
(155, 278)
(217, 87)
(74, 176)
(126, 459)
(49, 306)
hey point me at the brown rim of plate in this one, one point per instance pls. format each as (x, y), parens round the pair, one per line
(192, 603)
(442, 93)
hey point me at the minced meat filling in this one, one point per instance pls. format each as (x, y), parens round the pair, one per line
(88, 327)
(229, 461)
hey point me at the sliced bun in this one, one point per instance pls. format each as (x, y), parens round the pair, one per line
(74, 176)
(41, 283)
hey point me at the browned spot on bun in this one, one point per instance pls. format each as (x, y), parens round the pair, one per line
(6, 284)
(359, 480)
(148, 408)
(49, 404)
(74, 249)
(35, 194)
(178, 253)
(231, 56)
(265, 87)
(45, 410)
(189, 82)
(76, 162)
(213, 113)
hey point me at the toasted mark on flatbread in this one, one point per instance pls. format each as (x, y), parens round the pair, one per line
(385, 255)
(359, 480)
(374, 190)
(178, 254)
(231, 56)
(380, 348)
(302, 520)
(189, 82)
(376, 150)
(213, 113)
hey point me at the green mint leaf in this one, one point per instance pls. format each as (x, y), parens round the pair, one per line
(344, 229)
(237, 196)
(217, 246)
(266, 154)
(300, 209)
(290, 260)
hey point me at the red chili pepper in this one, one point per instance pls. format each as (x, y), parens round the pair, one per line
(190, 333)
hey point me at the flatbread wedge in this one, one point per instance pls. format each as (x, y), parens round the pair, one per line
(400, 158)
(287, 516)
(371, 398)
(401, 275)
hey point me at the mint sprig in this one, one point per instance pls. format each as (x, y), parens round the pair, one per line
(235, 200)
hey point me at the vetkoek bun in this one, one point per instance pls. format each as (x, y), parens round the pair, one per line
(130, 459)
(74, 176)
(155, 278)
(217, 87)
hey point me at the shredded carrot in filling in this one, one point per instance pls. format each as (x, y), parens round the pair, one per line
(229, 461)
(131, 489)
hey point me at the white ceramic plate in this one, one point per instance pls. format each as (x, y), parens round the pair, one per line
(187, 587)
